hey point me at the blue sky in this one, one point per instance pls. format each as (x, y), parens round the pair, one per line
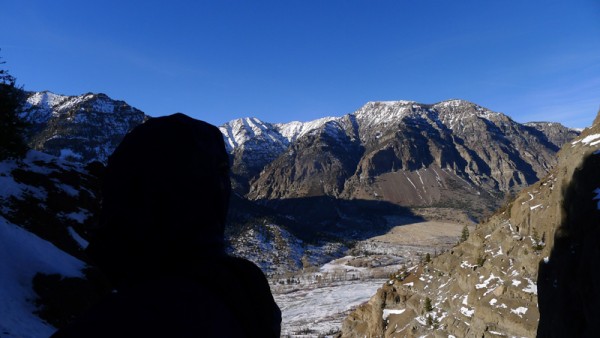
(302, 59)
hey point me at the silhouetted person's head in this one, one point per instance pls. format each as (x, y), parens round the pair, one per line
(165, 198)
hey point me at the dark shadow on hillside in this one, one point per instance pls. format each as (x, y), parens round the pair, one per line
(542, 138)
(327, 218)
(569, 284)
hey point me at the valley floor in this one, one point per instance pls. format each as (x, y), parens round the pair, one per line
(315, 303)
(317, 310)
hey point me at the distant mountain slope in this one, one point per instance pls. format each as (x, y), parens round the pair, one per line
(488, 285)
(253, 144)
(82, 128)
(453, 153)
(556, 133)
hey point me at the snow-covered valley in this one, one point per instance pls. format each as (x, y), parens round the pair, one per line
(319, 309)
(315, 302)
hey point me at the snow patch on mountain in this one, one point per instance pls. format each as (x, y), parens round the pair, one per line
(46, 99)
(382, 113)
(294, 130)
(81, 128)
(590, 140)
(10, 188)
(241, 131)
(250, 130)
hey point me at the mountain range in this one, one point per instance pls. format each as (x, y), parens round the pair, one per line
(303, 192)
(453, 154)
(335, 178)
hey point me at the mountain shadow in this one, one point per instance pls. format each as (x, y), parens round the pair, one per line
(327, 218)
(569, 280)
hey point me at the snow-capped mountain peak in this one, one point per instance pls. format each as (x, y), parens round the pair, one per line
(464, 108)
(46, 99)
(87, 126)
(295, 129)
(383, 112)
(241, 131)
(238, 133)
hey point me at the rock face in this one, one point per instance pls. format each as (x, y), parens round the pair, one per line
(81, 128)
(487, 285)
(569, 294)
(451, 154)
(556, 133)
(253, 144)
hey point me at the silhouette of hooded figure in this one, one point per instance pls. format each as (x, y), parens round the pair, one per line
(161, 242)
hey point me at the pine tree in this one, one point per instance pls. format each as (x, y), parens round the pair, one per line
(12, 143)
(428, 306)
(465, 234)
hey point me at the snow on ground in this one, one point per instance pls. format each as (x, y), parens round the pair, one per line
(80, 240)
(535, 207)
(531, 287)
(487, 282)
(320, 300)
(323, 308)
(467, 312)
(9, 187)
(70, 190)
(597, 197)
(22, 255)
(388, 312)
(341, 265)
(591, 140)
(78, 217)
(520, 311)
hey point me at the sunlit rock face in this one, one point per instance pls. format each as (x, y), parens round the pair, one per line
(451, 154)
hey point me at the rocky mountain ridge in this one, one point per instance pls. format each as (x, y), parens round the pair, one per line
(81, 128)
(452, 159)
(488, 285)
(454, 153)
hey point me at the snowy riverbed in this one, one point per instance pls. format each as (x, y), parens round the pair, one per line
(322, 308)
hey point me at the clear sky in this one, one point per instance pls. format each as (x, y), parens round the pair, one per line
(300, 60)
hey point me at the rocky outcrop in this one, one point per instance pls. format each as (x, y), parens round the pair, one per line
(488, 284)
(569, 282)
